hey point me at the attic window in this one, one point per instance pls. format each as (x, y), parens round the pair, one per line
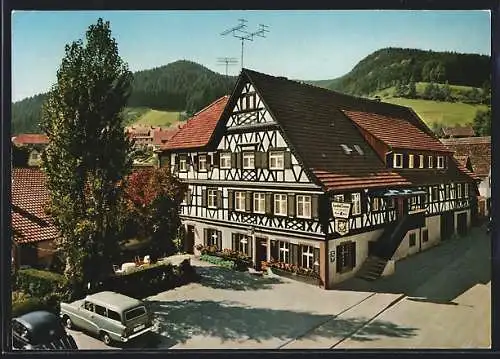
(346, 149)
(397, 160)
(359, 150)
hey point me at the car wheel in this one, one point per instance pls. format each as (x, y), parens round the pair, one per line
(106, 338)
(67, 322)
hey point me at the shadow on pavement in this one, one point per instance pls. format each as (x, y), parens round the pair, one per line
(181, 320)
(223, 278)
(437, 275)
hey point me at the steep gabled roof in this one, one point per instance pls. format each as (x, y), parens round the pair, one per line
(478, 149)
(30, 139)
(29, 196)
(162, 136)
(199, 129)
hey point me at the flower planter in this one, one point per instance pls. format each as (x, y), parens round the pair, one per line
(295, 276)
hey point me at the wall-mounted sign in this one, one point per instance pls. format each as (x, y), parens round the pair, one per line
(332, 256)
(341, 226)
(341, 209)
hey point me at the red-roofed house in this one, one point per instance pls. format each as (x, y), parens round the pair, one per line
(299, 175)
(33, 230)
(35, 142)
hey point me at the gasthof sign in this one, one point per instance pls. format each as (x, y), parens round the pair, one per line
(341, 209)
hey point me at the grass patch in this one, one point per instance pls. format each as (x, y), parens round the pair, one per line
(158, 118)
(444, 113)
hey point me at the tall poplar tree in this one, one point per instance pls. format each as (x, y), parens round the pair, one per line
(88, 153)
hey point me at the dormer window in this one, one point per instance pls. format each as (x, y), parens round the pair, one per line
(359, 150)
(346, 149)
(248, 160)
(202, 162)
(421, 161)
(431, 161)
(411, 161)
(440, 162)
(397, 160)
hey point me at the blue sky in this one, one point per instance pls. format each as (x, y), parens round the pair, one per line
(307, 45)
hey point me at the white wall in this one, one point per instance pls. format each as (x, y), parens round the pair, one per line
(484, 188)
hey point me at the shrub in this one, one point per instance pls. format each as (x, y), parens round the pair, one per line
(23, 303)
(240, 260)
(39, 283)
(217, 261)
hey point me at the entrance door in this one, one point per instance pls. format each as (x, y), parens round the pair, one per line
(462, 224)
(260, 252)
(189, 242)
(447, 225)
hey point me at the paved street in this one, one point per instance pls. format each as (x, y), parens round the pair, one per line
(436, 299)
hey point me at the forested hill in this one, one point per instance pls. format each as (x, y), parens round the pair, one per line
(178, 86)
(386, 67)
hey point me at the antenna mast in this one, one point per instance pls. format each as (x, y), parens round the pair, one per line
(239, 32)
(228, 61)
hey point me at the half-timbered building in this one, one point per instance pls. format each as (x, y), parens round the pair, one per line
(293, 173)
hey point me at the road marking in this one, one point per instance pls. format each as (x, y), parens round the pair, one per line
(350, 335)
(326, 321)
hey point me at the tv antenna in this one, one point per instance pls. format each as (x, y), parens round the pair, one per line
(239, 32)
(228, 61)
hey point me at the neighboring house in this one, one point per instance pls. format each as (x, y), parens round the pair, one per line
(478, 150)
(457, 132)
(35, 142)
(33, 231)
(163, 135)
(290, 172)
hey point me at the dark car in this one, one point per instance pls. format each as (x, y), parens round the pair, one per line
(40, 330)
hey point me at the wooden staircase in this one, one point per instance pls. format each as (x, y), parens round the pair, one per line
(372, 268)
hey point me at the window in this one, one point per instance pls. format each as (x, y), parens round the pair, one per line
(303, 206)
(375, 204)
(453, 192)
(430, 160)
(411, 161)
(241, 243)
(425, 235)
(239, 201)
(89, 306)
(307, 257)
(280, 203)
(114, 315)
(359, 150)
(459, 190)
(413, 200)
(248, 160)
(259, 202)
(213, 238)
(420, 161)
(135, 313)
(356, 203)
(276, 160)
(100, 310)
(440, 163)
(182, 163)
(346, 257)
(202, 162)
(413, 239)
(346, 149)
(338, 198)
(391, 202)
(225, 160)
(466, 190)
(397, 160)
(212, 198)
(284, 252)
(435, 194)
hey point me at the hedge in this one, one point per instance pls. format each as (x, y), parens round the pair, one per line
(38, 283)
(217, 261)
(22, 304)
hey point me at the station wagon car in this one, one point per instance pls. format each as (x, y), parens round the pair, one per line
(40, 330)
(111, 316)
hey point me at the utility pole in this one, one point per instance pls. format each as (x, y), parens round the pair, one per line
(239, 32)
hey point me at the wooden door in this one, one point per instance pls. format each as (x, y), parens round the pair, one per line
(260, 252)
(189, 242)
(462, 224)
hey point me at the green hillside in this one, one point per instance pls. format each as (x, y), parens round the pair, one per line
(158, 118)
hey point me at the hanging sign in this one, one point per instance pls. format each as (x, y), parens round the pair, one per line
(332, 256)
(341, 226)
(341, 209)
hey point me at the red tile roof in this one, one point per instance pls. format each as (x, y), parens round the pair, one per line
(29, 197)
(162, 136)
(478, 149)
(30, 139)
(396, 132)
(198, 130)
(458, 131)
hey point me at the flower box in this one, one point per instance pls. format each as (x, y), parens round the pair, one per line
(291, 275)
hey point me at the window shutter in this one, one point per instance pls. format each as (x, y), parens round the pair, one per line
(275, 250)
(219, 240)
(239, 160)
(339, 259)
(248, 201)
(257, 156)
(188, 196)
(353, 254)
(314, 206)
(233, 160)
(264, 160)
(250, 244)
(316, 258)
(205, 236)
(216, 159)
(203, 197)
(233, 242)
(230, 199)
(294, 254)
(406, 160)
(208, 163)
(195, 162)
(176, 164)
(219, 199)
(287, 159)
(291, 205)
(269, 203)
